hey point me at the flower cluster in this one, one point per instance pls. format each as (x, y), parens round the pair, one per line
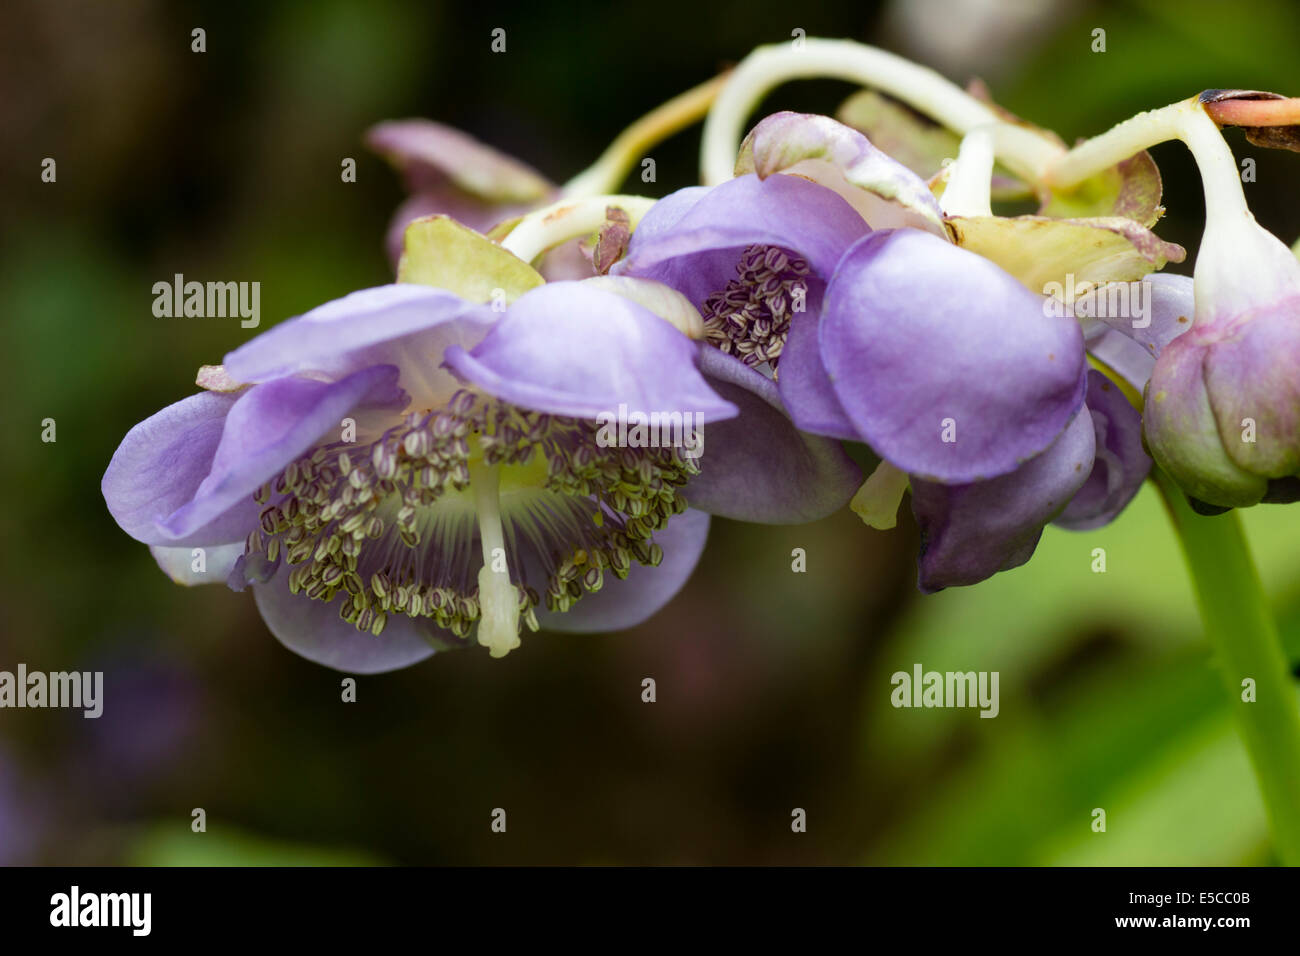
(420, 465)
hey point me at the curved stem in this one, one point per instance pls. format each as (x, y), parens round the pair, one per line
(608, 172)
(1023, 151)
(1241, 630)
(1225, 201)
(567, 219)
(1238, 260)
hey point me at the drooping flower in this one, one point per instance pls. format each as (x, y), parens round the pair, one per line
(970, 532)
(401, 467)
(949, 367)
(1083, 480)
(981, 496)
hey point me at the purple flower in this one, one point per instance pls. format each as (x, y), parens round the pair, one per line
(914, 331)
(942, 362)
(400, 467)
(846, 289)
(755, 256)
(1019, 434)
(1082, 480)
(1128, 345)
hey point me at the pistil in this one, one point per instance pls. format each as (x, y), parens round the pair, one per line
(498, 627)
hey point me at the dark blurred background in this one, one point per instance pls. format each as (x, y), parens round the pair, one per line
(773, 687)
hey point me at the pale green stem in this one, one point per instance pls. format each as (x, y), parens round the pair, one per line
(1237, 258)
(1225, 201)
(567, 219)
(1023, 151)
(613, 166)
(1235, 613)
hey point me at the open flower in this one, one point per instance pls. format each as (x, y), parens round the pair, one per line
(755, 256)
(831, 267)
(401, 467)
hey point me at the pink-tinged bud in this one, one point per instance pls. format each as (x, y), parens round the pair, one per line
(1223, 405)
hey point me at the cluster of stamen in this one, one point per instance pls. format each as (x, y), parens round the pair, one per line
(750, 318)
(383, 525)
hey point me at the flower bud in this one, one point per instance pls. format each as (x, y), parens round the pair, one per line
(1223, 404)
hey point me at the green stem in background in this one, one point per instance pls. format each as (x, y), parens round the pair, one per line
(1242, 632)
(608, 172)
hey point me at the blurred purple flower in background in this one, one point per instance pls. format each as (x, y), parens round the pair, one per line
(21, 818)
(448, 172)
(158, 705)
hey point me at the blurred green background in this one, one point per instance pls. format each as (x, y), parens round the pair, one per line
(773, 687)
